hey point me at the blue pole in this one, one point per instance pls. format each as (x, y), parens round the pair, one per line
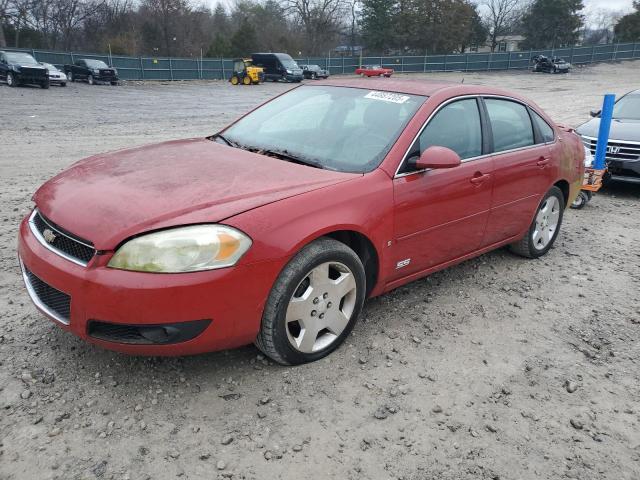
(603, 133)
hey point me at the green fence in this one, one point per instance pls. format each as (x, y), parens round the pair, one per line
(162, 68)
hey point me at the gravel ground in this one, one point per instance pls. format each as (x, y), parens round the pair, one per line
(497, 368)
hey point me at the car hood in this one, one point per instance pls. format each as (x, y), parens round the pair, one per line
(110, 197)
(621, 129)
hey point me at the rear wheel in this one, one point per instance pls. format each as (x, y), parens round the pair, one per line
(545, 226)
(246, 80)
(313, 304)
(235, 80)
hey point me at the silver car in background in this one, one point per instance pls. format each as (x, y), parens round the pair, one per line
(56, 76)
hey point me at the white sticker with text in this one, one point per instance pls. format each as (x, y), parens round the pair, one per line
(387, 97)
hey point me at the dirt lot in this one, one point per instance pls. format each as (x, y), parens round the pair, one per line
(463, 375)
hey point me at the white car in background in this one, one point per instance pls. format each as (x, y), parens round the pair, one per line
(56, 77)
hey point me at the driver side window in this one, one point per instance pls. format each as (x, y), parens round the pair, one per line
(456, 126)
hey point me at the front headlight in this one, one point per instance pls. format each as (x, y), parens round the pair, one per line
(183, 249)
(588, 158)
(96, 71)
(289, 72)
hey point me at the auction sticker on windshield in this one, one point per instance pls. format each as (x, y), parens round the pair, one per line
(387, 97)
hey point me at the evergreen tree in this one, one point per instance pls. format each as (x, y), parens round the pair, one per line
(628, 28)
(552, 23)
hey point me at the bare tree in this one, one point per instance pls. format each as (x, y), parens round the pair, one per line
(4, 16)
(500, 17)
(320, 19)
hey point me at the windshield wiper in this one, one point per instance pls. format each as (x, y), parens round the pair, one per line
(284, 155)
(231, 143)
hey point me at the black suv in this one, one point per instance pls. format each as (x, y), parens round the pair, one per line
(92, 71)
(20, 68)
(623, 147)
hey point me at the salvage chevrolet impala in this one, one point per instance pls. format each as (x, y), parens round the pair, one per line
(276, 229)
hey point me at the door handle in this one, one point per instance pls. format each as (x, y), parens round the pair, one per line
(479, 178)
(543, 161)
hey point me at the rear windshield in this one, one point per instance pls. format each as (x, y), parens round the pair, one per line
(336, 128)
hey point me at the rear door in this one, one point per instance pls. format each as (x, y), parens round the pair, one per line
(440, 215)
(523, 168)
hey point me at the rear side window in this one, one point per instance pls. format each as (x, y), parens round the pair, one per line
(545, 130)
(510, 123)
(455, 126)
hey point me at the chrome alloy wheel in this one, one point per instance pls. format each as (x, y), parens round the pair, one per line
(321, 307)
(546, 223)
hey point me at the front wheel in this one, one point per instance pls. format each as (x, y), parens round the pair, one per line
(581, 200)
(314, 303)
(11, 80)
(70, 76)
(45, 84)
(114, 84)
(545, 226)
(63, 84)
(90, 80)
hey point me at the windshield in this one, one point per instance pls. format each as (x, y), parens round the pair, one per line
(96, 64)
(21, 58)
(337, 128)
(628, 108)
(287, 62)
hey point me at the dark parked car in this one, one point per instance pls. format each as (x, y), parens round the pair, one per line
(92, 71)
(550, 65)
(19, 68)
(313, 72)
(278, 66)
(623, 148)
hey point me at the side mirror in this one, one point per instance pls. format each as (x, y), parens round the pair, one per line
(594, 113)
(437, 157)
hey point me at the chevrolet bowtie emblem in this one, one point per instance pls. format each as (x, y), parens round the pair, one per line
(49, 236)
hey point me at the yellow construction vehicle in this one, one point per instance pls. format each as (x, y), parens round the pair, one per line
(245, 73)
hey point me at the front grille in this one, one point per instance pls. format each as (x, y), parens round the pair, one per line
(61, 241)
(106, 73)
(33, 72)
(51, 300)
(616, 150)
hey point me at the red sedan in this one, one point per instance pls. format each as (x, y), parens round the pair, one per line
(277, 229)
(374, 71)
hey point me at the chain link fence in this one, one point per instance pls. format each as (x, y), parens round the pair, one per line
(163, 68)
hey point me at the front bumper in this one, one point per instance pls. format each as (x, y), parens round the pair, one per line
(31, 79)
(621, 169)
(294, 78)
(231, 298)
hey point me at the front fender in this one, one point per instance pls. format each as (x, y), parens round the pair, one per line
(281, 229)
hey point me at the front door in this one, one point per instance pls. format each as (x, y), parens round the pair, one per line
(441, 215)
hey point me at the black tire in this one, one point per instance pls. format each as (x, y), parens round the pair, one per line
(90, 80)
(45, 84)
(525, 246)
(313, 76)
(11, 80)
(581, 200)
(272, 338)
(114, 83)
(63, 84)
(70, 77)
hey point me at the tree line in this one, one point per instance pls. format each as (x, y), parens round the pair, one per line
(302, 27)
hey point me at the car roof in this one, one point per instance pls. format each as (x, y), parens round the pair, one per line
(418, 87)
